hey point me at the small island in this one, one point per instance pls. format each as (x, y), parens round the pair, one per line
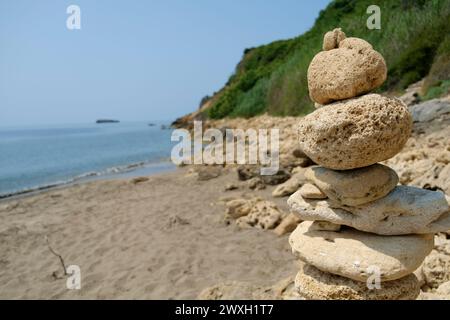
(107, 121)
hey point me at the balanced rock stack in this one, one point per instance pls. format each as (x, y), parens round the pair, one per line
(359, 225)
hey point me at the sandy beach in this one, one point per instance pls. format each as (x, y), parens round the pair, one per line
(164, 238)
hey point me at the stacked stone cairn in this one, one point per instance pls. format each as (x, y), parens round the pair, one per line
(363, 235)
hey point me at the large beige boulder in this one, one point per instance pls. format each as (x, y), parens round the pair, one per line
(354, 187)
(355, 133)
(313, 284)
(353, 254)
(352, 69)
(405, 210)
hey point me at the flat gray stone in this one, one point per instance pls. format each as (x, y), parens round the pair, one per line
(353, 187)
(405, 210)
(429, 110)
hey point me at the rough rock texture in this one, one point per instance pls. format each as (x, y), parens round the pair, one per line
(263, 214)
(355, 44)
(231, 186)
(444, 288)
(208, 172)
(355, 133)
(281, 176)
(289, 223)
(351, 253)
(353, 187)
(290, 186)
(405, 210)
(436, 268)
(346, 72)
(332, 39)
(256, 183)
(238, 208)
(425, 160)
(313, 284)
(433, 296)
(310, 191)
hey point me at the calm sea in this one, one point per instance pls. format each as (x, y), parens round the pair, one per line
(39, 157)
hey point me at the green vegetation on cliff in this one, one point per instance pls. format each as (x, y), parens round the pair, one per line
(414, 39)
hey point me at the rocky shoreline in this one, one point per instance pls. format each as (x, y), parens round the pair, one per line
(358, 221)
(216, 232)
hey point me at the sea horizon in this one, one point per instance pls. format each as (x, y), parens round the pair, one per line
(39, 157)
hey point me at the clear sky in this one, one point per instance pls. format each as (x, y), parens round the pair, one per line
(131, 60)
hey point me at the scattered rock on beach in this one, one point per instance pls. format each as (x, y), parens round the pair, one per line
(247, 172)
(239, 207)
(256, 183)
(281, 176)
(231, 186)
(139, 180)
(209, 172)
(289, 223)
(290, 186)
(263, 214)
(436, 268)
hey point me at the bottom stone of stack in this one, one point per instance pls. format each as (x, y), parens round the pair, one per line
(357, 255)
(313, 284)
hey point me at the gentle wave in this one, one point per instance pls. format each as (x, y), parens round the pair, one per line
(86, 176)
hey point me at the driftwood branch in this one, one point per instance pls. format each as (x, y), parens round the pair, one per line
(61, 260)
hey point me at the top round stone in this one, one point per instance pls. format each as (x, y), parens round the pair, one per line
(347, 68)
(332, 39)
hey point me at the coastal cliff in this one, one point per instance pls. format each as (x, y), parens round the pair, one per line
(414, 39)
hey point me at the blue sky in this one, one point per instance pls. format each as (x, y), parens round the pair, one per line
(131, 60)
